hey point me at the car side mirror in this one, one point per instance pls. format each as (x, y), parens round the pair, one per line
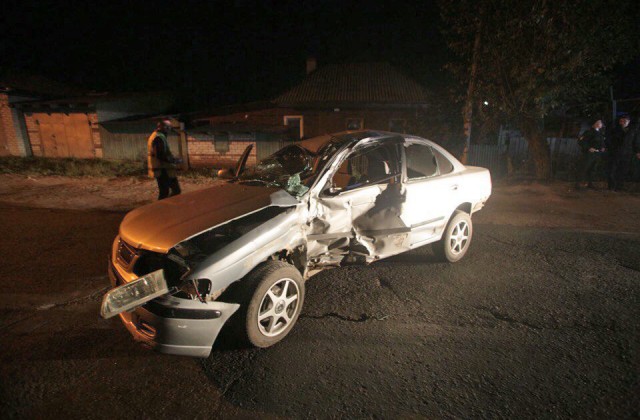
(225, 174)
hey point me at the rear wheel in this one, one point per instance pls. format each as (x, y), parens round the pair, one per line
(456, 238)
(273, 298)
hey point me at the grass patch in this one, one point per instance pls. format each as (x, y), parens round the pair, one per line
(73, 167)
(69, 167)
(198, 173)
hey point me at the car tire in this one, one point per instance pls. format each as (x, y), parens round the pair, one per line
(456, 238)
(273, 298)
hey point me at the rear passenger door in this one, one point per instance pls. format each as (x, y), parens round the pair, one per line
(431, 187)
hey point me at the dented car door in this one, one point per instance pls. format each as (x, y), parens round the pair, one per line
(357, 214)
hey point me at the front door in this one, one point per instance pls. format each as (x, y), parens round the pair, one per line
(358, 213)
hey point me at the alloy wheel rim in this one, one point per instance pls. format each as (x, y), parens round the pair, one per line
(459, 237)
(278, 307)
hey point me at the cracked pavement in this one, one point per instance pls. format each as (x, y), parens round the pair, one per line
(534, 322)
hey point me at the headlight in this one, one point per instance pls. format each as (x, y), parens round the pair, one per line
(133, 294)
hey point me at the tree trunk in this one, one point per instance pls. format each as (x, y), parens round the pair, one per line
(539, 150)
(467, 111)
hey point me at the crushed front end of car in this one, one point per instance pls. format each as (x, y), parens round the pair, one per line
(160, 309)
(172, 261)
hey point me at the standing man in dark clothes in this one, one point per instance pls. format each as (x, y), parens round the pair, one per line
(620, 145)
(161, 163)
(592, 145)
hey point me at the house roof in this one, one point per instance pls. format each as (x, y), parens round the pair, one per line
(355, 83)
(90, 99)
(228, 109)
(21, 83)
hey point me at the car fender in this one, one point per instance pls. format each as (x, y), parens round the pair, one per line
(239, 257)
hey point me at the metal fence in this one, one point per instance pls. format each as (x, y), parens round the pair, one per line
(128, 141)
(513, 157)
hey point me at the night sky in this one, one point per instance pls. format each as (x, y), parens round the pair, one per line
(215, 52)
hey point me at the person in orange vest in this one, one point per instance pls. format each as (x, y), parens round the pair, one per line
(161, 163)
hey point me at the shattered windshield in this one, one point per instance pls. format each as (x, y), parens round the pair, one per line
(294, 168)
(288, 168)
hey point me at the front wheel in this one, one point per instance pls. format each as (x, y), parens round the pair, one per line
(274, 294)
(455, 239)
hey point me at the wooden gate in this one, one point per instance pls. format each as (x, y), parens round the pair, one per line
(65, 135)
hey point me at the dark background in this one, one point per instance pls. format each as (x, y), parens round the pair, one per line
(221, 52)
(216, 51)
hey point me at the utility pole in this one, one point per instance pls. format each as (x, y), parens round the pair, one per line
(614, 106)
(467, 111)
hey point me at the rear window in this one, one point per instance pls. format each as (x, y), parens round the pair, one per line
(421, 161)
(444, 165)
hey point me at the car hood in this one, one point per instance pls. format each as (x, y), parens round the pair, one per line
(161, 225)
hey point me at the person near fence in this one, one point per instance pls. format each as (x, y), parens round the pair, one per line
(620, 144)
(592, 146)
(161, 163)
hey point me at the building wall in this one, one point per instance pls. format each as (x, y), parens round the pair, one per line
(95, 135)
(11, 142)
(322, 121)
(20, 129)
(33, 131)
(203, 154)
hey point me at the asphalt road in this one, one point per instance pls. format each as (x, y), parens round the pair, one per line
(532, 323)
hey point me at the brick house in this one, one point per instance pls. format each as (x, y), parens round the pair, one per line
(330, 99)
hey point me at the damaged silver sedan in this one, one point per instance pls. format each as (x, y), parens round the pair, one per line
(239, 253)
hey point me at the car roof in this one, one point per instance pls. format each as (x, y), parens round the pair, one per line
(314, 144)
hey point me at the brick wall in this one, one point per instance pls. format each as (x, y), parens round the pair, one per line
(10, 142)
(95, 134)
(321, 121)
(202, 153)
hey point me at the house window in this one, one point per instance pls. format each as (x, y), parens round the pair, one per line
(398, 126)
(355, 123)
(221, 142)
(295, 124)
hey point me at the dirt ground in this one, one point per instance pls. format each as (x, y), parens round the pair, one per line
(554, 205)
(113, 194)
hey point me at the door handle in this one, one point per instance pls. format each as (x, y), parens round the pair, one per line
(454, 187)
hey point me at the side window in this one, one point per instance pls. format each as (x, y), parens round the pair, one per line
(355, 123)
(295, 124)
(372, 165)
(444, 165)
(398, 125)
(421, 162)
(221, 142)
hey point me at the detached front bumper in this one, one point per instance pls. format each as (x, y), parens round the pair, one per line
(176, 326)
